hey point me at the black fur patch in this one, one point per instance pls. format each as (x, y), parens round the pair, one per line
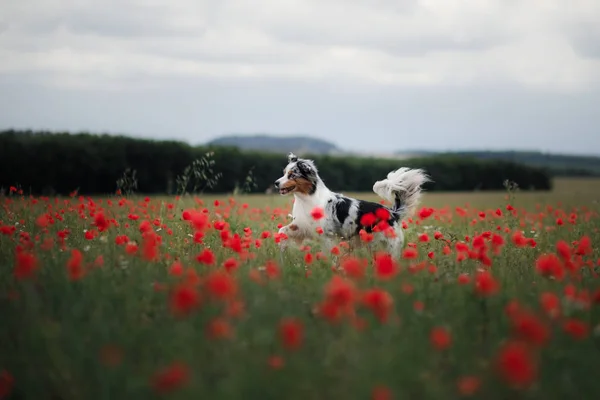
(366, 207)
(305, 170)
(398, 206)
(342, 209)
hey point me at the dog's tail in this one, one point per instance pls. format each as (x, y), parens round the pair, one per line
(402, 188)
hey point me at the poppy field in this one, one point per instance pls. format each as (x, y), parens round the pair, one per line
(493, 296)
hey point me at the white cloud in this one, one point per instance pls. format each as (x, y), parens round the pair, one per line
(542, 44)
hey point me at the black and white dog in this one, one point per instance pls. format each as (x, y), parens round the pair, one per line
(345, 217)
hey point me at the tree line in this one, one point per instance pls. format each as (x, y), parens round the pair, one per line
(59, 163)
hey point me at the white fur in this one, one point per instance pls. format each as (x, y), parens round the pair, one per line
(404, 183)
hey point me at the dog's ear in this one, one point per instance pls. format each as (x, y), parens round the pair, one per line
(307, 168)
(292, 157)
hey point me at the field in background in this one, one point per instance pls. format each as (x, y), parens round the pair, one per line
(493, 297)
(569, 191)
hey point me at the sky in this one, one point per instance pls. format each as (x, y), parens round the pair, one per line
(369, 75)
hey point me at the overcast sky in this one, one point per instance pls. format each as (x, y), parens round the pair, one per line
(375, 75)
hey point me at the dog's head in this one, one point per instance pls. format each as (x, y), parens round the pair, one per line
(299, 176)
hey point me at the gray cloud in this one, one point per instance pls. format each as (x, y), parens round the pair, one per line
(585, 41)
(435, 74)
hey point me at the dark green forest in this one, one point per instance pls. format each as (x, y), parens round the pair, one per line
(51, 163)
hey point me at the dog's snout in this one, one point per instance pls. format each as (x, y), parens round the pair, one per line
(277, 184)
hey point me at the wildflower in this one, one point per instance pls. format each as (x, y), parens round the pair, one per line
(145, 226)
(198, 237)
(219, 328)
(121, 240)
(385, 266)
(131, 248)
(425, 213)
(317, 213)
(365, 236)
(519, 240)
(550, 303)
(171, 378)
(221, 285)
(463, 279)
(418, 306)
(151, 243)
(379, 301)
(516, 365)
(272, 269)
(409, 253)
(382, 214)
(235, 308)
(468, 385)
(563, 250)
(550, 265)
(353, 267)
(101, 222)
(381, 392)
(291, 333)
(6, 384)
(340, 292)
(275, 362)
(25, 265)
(486, 284)
(206, 257)
(308, 258)
(231, 264)
(8, 229)
(43, 221)
(584, 246)
(220, 225)
(74, 266)
(368, 219)
(530, 328)
(184, 299)
(576, 328)
(497, 240)
(440, 338)
(176, 269)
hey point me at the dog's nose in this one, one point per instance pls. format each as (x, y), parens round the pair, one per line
(277, 184)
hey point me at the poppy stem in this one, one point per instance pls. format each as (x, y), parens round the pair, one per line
(485, 324)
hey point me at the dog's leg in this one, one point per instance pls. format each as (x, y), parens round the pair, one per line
(370, 251)
(282, 247)
(328, 245)
(345, 253)
(293, 233)
(395, 244)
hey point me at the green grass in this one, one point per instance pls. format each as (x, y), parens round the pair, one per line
(56, 332)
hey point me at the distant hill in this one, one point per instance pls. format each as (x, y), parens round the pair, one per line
(559, 164)
(271, 143)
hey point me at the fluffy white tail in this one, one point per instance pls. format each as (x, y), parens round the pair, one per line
(402, 188)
